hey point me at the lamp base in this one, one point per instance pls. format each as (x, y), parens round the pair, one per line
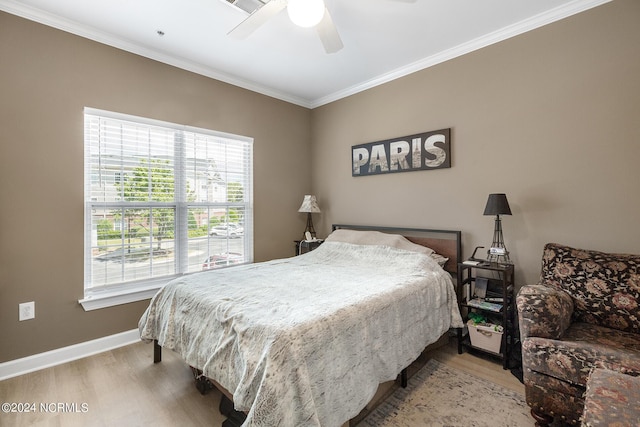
(498, 252)
(499, 258)
(309, 228)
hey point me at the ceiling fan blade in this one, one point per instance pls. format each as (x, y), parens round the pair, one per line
(257, 18)
(329, 33)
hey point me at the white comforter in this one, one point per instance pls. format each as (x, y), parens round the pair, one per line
(305, 341)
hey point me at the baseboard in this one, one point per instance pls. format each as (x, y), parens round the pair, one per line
(14, 368)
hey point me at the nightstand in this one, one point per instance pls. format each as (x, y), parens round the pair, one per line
(497, 306)
(304, 246)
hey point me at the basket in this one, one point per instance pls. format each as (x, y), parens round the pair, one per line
(485, 336)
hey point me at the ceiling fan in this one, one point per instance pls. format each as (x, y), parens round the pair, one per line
(304, 13)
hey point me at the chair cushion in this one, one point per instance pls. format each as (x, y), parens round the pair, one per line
(612, 399)
(583, 346)
(605, 287)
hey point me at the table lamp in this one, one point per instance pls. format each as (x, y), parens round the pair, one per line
(497, 205)
(309, 205)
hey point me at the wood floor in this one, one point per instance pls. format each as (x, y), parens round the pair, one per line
(124, 387)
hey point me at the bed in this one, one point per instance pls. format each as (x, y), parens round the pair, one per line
(305, 341)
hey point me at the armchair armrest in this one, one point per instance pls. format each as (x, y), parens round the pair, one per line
(543, 311)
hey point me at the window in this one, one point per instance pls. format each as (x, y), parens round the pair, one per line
(161, 200)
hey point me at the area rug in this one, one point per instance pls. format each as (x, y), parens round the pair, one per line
(439, 395)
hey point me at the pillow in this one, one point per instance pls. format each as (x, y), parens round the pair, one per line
(376, 238)
(442, 261)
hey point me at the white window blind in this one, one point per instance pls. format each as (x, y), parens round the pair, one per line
(161, 200)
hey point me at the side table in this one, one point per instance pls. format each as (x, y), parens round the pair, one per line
(304, 246)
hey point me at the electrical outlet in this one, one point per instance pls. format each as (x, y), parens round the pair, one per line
(27, 310)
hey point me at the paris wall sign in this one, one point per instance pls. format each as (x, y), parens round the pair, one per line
(423, 151)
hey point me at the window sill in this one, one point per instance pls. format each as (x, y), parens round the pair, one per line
(112, 298)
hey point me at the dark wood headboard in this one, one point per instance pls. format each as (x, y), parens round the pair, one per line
(447, 243)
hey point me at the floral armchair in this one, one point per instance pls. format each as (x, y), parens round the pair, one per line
(584, 313)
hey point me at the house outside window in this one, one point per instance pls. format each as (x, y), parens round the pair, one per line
(161, 200)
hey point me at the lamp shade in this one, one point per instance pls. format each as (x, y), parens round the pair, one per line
(309, 204)
(497, 204)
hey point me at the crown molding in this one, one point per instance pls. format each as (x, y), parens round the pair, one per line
(37, 15)
(521, 27)
(540, 20)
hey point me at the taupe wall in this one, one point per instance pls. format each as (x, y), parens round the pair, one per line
(552, 118)
(46, 78)
(549, 117)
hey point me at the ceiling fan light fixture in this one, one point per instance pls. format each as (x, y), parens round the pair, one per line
(305, 13)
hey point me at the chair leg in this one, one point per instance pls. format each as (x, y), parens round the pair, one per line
(541, 419)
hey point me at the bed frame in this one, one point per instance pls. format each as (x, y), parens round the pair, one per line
(447, 243)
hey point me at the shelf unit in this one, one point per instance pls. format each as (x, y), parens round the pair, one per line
(500, 276)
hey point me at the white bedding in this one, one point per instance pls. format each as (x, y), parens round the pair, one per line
(305, 341)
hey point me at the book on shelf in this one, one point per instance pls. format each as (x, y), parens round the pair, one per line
(480, 303)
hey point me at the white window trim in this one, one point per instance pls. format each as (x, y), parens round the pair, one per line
(108, 296)
(123, 295)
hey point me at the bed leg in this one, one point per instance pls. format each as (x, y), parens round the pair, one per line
(234, 418)
(403, 378)
(203, 384)
(157, 352)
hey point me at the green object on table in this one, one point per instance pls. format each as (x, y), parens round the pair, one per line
(477, 318)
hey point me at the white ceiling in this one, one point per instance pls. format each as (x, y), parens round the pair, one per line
(383, 39)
